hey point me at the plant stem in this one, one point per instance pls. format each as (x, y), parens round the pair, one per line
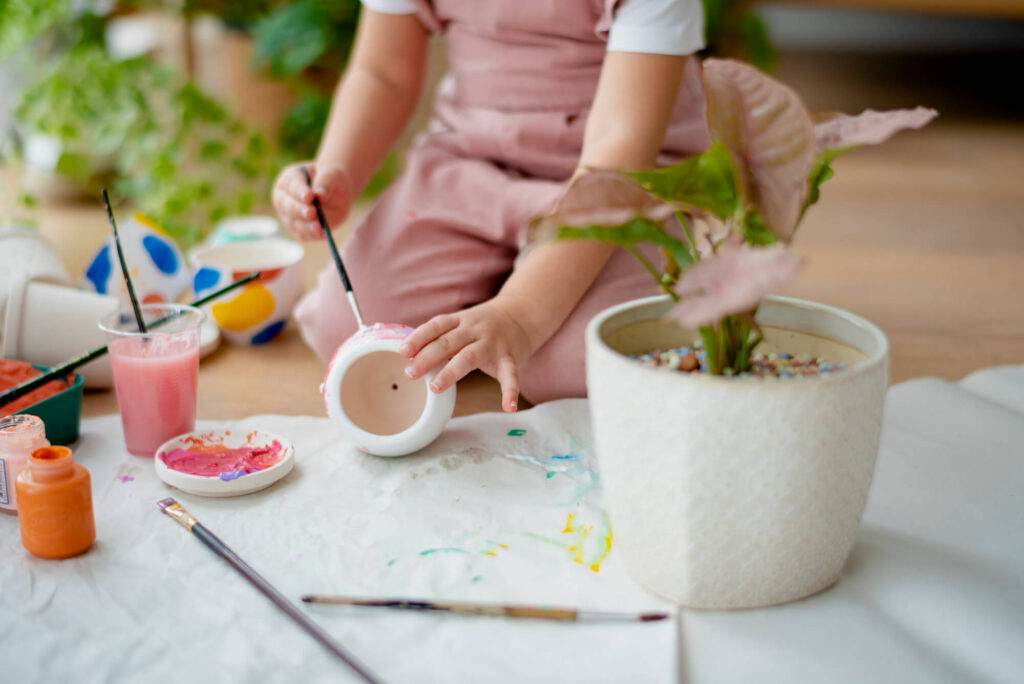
(707, 333)
(653, 271)
(694, 252)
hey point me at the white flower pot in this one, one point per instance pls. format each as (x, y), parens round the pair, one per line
(728, 492)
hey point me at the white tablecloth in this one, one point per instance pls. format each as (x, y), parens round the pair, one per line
(934, 591)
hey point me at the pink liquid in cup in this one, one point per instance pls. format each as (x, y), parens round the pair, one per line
(155, 376)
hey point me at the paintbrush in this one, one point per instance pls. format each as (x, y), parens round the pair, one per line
(535, 612)
(63, 369)
(124, 266)
(334, 251)
(176, 511)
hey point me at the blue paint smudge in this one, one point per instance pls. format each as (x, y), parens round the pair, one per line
(204, 279)
(565, 457)
(161, 253)
(268, 333)
(99, 270)
(232, 475)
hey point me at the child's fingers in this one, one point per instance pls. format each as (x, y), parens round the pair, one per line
(297, 186)
(287, 205)
(508, 377)
(437, 351)
(429, 331)
(465, 362)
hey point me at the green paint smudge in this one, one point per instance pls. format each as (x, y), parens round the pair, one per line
(478, 578)
(516, 433)
(551, 474)
(448, 549)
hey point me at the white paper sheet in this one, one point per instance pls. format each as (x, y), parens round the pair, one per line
(481, 515)
(934, 591)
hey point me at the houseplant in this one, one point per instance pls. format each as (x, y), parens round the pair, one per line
(731, 492)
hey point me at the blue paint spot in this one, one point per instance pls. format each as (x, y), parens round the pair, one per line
(99, 270)
(161, 253)
(564, 457)
(268, 333)
(204, 279)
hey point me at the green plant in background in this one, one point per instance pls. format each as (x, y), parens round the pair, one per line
(732, 29)
(176, 153)
(21, 21)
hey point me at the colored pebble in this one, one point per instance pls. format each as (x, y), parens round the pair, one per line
(777, 365)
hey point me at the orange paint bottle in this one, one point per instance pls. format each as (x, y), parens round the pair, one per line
(55, 504)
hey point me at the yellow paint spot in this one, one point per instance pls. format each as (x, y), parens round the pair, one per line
(569, 524)
(150, 223)
(254, 305)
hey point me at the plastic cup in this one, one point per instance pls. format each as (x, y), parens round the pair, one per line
(155, 373)
(48, 324)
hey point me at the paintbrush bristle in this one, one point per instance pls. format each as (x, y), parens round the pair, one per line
(652, 617)
(165, 503)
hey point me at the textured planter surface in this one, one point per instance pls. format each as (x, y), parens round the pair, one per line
(736, 493)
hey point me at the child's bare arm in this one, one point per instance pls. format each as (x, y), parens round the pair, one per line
(372, 103)
(631, 112)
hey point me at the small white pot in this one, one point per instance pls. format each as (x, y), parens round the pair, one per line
(48, 324)
(370, 399)
(736, 492)
(25, 254)
(259, 311)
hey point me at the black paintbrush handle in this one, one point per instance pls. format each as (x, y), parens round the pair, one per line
(63, 369)
(279, 600)
(124, 266)
(327, 234)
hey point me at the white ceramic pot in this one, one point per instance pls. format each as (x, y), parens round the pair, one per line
(370, 399)
(259, 311)
(25, 254)
(48, 324)
(736, 492)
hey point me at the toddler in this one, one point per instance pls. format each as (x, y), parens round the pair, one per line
(537, 89)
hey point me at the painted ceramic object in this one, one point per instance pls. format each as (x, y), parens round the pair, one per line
(729, 492)
(259, 311)
(374, 404)
(158, 270)
(224, 462)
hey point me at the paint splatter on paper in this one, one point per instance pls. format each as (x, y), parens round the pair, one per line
(126, 478)
(579, 540)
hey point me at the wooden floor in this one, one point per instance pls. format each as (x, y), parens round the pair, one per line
(924, 236)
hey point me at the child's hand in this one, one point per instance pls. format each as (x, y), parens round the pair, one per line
(293, 199)
(487, 336)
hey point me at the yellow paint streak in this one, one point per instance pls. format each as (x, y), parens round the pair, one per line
(151, 224)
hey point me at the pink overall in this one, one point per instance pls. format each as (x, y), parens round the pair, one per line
(507, 132)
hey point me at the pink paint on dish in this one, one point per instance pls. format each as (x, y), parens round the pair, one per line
(208, 458)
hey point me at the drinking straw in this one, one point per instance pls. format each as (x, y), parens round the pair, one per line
(463, 608)
(124, 266)
(176, 511)
(63, 369)
(334, 251)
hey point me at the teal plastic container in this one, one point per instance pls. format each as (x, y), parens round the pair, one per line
(61, 413)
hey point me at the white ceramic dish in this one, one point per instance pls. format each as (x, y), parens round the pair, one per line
(214, 485)
(209, 337)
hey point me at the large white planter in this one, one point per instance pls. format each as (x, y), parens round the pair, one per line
(736, 493)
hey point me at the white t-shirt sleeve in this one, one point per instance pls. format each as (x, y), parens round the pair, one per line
(663, 27)
(391, 6)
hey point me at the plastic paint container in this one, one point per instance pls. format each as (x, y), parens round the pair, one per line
(372, 401)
